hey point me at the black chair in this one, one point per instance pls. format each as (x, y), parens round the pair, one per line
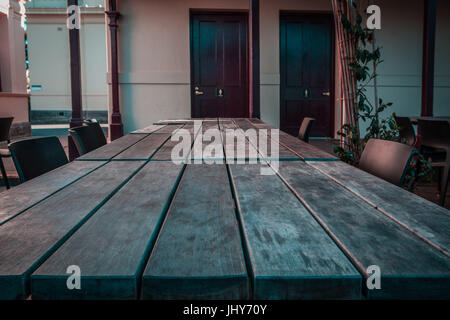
(435, 144)
(305, 129)
(88, 137)
(36, 156)
(406, 130)
(5, 126)
(387, 160)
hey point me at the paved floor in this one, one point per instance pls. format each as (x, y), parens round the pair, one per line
(426, 190)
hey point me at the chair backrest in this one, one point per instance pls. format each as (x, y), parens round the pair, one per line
(5, 126)
(36, 156)
(88, 137)
(406, 130)
(434, 133)
(305, 129)
(387, 160)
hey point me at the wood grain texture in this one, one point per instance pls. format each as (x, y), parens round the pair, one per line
(149, 129)
(265, 132)
(30, 238)
(112, 263)
(110, 150)
(198, 254)
(410, 268)
(185, 121)
(426, 218)
(236, 147)
(170, 128)
(143, 149)
(305, 150)
(165, 151)
(208, 146)
(16, 200)
(292, 257)
(294, 145)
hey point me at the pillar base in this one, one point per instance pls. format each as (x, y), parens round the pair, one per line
(115, 130)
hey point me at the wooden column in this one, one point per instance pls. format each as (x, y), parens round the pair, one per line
(254, 59)
(429, 35)
(76, 119)
(116, 127)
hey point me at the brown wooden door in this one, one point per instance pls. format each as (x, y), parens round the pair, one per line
(306, 71)
(219, 65)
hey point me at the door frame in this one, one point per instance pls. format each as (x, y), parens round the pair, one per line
(192, 12)
(330, 16)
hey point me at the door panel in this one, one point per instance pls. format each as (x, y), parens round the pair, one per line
(219, 61)
(306, 71)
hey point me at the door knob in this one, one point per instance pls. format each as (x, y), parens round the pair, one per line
(306, 93)
(197, 92)
(326, 93)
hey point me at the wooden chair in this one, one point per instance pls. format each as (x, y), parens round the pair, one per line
(36, 156)
(88, 137)
(387, 160)
(406, 130)
(435, 144)
(305, 129)
(5, 126)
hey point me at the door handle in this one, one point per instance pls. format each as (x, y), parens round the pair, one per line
(198, 93)
(306, 93)
(326, 93)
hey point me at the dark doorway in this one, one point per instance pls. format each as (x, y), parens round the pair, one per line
(306, 72)
(219, 65)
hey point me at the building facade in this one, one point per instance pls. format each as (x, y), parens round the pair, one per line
(49, 62)
(173, 60)
(13, 83)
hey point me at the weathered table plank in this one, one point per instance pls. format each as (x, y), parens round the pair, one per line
(424, 217)
(149, 129)
(111, 264)
(305, 150)
(165, 152)
(292, 257)
(285, 152)
(185, 121)
(112, 149)
(208, 146)
(238, 148)
(198, 254)
(25, 195)
(145, 148)
(27, 240)
(410, 268)
(170, 128)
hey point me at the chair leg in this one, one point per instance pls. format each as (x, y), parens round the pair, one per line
(4, 175)
(444, 184)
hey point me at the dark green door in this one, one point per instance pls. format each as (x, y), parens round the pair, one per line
(306, 70)
(219, 65)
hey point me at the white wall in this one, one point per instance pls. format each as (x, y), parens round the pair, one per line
(48, 48)
(400, 75)
(14, 97)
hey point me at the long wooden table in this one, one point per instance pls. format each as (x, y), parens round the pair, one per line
(140, 225)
